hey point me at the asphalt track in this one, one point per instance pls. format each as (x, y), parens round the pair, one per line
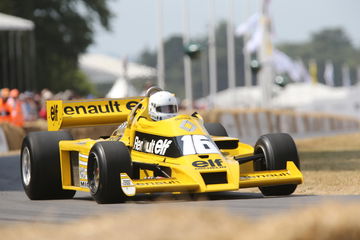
(15, 207)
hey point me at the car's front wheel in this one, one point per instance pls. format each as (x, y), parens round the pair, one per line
(106, 161)
(277, 148)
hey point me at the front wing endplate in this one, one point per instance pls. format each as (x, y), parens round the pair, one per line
(290, 175)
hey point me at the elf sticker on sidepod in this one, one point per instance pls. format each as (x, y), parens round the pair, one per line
(152, 144)
(174, 146)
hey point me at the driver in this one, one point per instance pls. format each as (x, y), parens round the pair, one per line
(162, 105)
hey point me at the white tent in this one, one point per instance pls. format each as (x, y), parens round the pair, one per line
(103, 68)
(297, 96)
(304, 96)
(112, 75)
(120, 89)
(12, 23)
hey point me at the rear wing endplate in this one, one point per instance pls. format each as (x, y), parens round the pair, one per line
(81, 113)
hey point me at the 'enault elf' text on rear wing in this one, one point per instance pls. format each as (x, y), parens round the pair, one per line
(89, 112)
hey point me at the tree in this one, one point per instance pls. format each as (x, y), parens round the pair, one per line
(63, 30)
(328, 44)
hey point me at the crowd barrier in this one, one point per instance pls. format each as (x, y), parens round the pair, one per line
(11, 137)
(255, 122)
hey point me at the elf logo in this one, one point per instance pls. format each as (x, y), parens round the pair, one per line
(217, 163)
(54, 113)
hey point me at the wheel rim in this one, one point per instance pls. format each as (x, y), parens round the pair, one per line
(95, 174)
(263, 164)
(26, 166)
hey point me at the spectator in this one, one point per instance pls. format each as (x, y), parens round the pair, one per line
(15, 103)
(17, 108)
(29, 106)
(5, 109)
(46, 94)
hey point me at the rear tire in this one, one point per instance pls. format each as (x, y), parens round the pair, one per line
(106, 161)
(278, 148)
(216, 129)
(40, 166)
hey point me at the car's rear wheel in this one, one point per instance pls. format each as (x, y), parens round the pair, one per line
(40, 166)
(278, 148)
(216, 129)
(106, 161)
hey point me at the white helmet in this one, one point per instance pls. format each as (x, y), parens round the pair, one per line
(162, 105)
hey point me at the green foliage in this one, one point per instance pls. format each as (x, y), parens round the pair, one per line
(74, 79)
(329, 44)
(63, 30)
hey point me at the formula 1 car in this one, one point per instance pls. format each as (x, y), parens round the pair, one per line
(181, 154)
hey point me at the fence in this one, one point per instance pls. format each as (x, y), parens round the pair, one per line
(255, 122)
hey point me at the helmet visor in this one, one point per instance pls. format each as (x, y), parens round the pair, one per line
(167, 109)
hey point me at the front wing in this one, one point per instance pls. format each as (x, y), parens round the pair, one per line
(291, 175)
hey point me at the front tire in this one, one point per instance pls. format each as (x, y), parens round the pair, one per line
(278, 148)
(106, 161)
(40, 166)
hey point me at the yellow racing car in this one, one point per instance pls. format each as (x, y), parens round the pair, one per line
(154, 149)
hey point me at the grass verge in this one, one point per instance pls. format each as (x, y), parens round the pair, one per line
(331, 165)
(319, 223)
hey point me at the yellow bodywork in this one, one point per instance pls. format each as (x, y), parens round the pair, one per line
(191, 171)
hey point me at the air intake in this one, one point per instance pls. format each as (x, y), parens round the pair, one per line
(214, 178)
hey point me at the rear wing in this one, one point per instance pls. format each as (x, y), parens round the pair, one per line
(81, 113)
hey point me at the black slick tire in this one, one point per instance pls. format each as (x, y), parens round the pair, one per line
(278, 148)
(40, 166)
(107, 160)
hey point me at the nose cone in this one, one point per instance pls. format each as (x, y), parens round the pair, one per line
(214, 173)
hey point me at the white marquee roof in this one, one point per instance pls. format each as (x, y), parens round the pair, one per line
(12, 23)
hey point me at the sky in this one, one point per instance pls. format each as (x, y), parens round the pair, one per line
(135, 25)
